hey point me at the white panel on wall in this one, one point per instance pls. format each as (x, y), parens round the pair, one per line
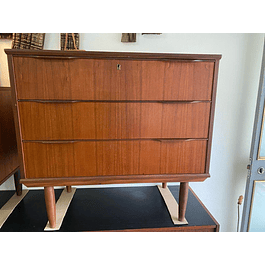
(52, 41)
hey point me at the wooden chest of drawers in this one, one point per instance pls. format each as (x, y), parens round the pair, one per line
(8, 147)
(104, 118)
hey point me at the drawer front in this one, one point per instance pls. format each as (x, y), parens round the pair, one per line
(92, 79)
(102, 158)
(44, 160)
(175, 80)
(57, 121)
(79, 79)
(173, 156)
(89, 120)
(183, 156)
(38, 78)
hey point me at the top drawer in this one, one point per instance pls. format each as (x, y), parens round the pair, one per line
(109, 79)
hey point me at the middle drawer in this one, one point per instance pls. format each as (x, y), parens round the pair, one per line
(113, 120)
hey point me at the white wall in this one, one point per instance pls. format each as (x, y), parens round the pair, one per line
(235, 105)
(4, 78)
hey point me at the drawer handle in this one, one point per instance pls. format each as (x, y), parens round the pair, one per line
(196, 101)
(55, 57)
(166, 140)
(184, 102)
(58, 142)
(58, 101)
(178, 139)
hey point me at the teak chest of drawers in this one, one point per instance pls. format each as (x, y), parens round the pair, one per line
(8, 146)
(105, 118)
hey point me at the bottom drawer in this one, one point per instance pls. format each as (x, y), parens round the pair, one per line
(103, 158)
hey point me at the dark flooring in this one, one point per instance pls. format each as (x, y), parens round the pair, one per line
(97, 209)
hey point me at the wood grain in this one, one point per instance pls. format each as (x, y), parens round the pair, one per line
(46, 160)
(151, 120)
(153, 76)
(112, 117)
(103, 158)
(98, 180)
(107, 79)
(130, 124)
(38, 78)
(118, 158)
(183, 199)
(117, 120)
(184, 157)
(50, 205)
(150, 157)
(177, 80)
(53, 121)
(113, 84)
(210, 134)
(89, 79)
(111, 120)
(188, 80)
(82, 79)
(85, 158)
(8, 147)
(16, 114)
(111, 55)
(185, 120)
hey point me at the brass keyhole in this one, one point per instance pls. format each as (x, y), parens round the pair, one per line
(118, 67)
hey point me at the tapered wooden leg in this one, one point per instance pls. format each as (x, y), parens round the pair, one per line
(50, 205)
(18, 185)
(183, 199)
(164, 185)
(68, 188)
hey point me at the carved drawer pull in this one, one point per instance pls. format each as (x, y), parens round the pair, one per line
(58, 142)
(58, 101)
(56, 57)
(184, 102)
(167, 140)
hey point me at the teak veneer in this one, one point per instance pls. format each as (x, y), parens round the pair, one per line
(108, 117)
(9, 164)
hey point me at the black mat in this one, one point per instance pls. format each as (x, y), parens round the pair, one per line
(103, 209)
